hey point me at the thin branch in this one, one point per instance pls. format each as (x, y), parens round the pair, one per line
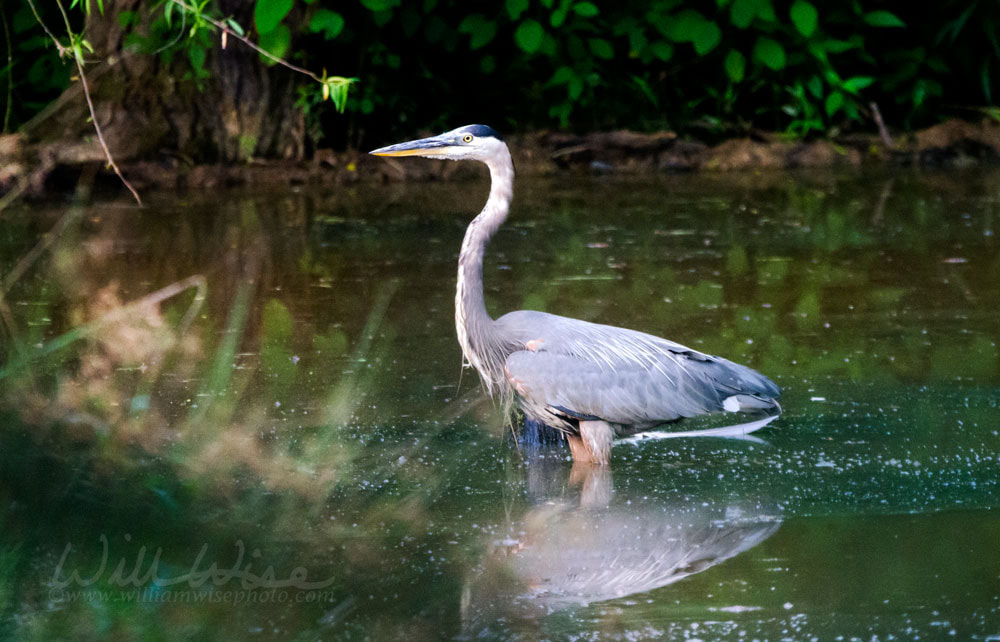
(226, 29)
(70, 94)
(44, 244)
(74, 48)
(13, 193)
(90, 105)
(177, 38)
(328, 82)
(9, 326)
(100, 135)
(59, 47)
(882, 131)
(10, 72)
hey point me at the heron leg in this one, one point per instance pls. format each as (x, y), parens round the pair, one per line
(593, 445)
(594, 482)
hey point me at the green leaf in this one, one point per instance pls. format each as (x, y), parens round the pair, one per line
(529, 36)
(235, 26)
(586, 9)
(662, 50)
(276, 42)
(765, 11)
(377, 6)
(939, 65)
(742, 13)
(691, 26)
(558, 17)
(804, 17)
(686, 26)
(127, 18)
(196, 55)
(815, 86)
(708, 38)
(516, 7)
(736, 65)
(575, 87)
(840, 46)
(883, 19)
(857, 83)
(770, 53)
(382, 18)
(818, 51)
(480, 30)
(562, 76)
(601, 48)
(329, 22)
(646, 90)
(834, 102)
(267, 14)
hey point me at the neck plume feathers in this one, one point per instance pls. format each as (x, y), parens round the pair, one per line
(480, 346)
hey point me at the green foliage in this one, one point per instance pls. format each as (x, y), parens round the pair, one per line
(172, 30)
(770, 53)
(268, 14)
(276, 42)
(529, 36)
(736, 65)
(883, 19)
(805, 17)
(481, 31)
(329, 23)
(805, 66)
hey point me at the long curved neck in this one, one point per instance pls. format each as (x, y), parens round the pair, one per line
(473, 322)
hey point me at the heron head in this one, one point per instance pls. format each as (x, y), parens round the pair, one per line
(471, 142)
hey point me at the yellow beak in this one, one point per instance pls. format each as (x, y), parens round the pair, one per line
(433, 146)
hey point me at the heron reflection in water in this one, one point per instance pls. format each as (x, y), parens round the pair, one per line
(586, 382)
(579, 541)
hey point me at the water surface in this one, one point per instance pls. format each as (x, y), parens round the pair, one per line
(295, 403)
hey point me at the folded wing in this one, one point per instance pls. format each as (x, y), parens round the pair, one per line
(587, 371)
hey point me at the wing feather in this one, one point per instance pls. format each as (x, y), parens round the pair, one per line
(583, 369)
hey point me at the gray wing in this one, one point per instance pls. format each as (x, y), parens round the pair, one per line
(587, 370)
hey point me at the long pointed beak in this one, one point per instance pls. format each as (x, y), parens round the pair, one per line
(432, 146)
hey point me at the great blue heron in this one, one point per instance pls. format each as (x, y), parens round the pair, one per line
(588, 381)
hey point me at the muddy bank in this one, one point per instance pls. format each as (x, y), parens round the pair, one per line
(34, 169)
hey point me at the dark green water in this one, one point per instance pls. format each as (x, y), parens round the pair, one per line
(287, 455)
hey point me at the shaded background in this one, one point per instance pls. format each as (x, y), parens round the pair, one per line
(807, 67)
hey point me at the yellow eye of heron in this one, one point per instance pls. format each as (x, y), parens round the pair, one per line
(467, 138)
